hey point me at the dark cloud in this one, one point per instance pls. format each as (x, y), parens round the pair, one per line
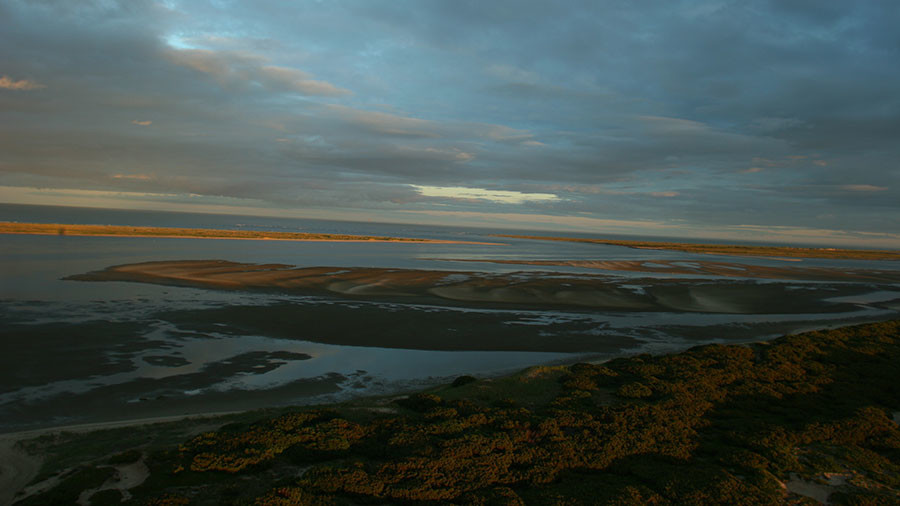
(719, 112)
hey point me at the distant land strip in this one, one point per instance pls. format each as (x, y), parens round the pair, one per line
(201, 233)
(730, 249)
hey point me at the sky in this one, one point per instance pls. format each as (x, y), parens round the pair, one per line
(761, 120)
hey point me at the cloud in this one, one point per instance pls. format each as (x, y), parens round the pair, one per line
(863, 188)
(295, 80)
(549, 222)
(6, 83)
(502, 133)
(141, 123)
(240, 69)
(619, 107)
(139, 177)
(385, 123)
(508, 72)
(496, 196)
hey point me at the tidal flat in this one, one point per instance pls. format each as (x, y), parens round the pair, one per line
(214, 335)
(812, 416)
(527, 289)
(111, 329)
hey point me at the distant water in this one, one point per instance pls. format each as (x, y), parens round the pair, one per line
(86, 351)
(92, 216)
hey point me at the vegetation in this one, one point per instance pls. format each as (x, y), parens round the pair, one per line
(712, 425)
(731, 249)
(195, 233)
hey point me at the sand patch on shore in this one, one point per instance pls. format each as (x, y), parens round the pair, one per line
(531, 289)
(17, 468)
(126, 478)
(819, 492)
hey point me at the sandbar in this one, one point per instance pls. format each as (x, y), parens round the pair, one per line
(480, 289)
(707, 268)
(202, 233)
(730, 249)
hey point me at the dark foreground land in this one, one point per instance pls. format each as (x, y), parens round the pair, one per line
(804, 418)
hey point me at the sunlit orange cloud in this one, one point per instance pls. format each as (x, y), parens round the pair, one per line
(21, 85)
(141, 123)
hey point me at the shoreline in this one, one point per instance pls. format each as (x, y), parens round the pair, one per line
(78, 428)
(639, 386)
(477, 289)
(18, 467)
(59, 229)
(709, 268)
(214, 411)
(583, 357)
(728, 249)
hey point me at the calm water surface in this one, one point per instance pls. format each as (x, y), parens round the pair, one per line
(111, 353)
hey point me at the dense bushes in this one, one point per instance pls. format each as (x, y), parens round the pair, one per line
(715, 424)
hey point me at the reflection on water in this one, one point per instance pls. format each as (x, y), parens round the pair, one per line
(163, 364)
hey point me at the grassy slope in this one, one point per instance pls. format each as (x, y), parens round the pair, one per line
(731, 249)
(711, 425)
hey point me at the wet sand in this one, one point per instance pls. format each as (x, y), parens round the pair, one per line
(722, 269)
(202, 233)
(478, 289)
(266, 350)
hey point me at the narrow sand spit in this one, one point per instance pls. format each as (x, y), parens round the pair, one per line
(788, 253)
(61, 229)
(479, 288)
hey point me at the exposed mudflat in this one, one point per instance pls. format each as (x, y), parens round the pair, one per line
(723, 269)
(530, 289)
(219, 335)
